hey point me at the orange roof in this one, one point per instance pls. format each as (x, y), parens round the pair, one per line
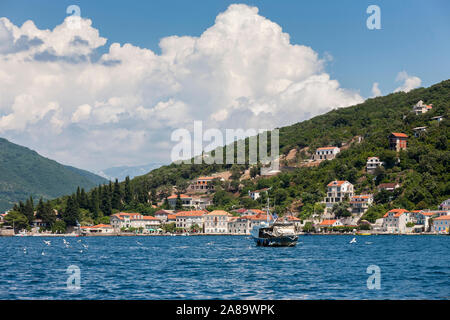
(362, 196)
(399, 135)
(206, 178)
(443, 218)
(190, 213)
(120, 215)
(218, 213)
(257, 211)
(149, 218)
(327, 222)
(174, 196)
(326, 148)
(171, 217)
(97, 226)
(293, 218)
(397, 212)
(336, 183)
(427, 213)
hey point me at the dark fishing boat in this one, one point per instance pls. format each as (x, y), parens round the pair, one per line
(278, 234)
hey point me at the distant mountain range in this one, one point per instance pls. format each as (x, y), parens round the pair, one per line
(23, 172)
(122, 172)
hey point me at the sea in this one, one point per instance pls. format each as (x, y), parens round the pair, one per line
(224, 267)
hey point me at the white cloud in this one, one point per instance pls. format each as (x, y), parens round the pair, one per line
(241, 72)
(409, 82)
(376, 92)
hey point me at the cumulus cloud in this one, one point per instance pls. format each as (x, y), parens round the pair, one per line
(409, 82)
(376, 92)
(242, 72)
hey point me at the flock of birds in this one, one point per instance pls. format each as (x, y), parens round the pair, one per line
(65, 243)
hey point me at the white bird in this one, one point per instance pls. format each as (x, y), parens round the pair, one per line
(85, 246)
(24, 250)
(47, 242)
(353, 240)
(139, 243)
(43, 253)
(79, 240)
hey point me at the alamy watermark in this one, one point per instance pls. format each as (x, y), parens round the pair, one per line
(190, 149)
(374, 20)
(74, 280)
(74, 20)
(374, 280)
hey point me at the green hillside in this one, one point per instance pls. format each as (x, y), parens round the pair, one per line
(23, 172)
(422, 170)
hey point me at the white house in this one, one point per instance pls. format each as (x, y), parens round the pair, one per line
(373, 163)
(360, 203)
(187, 219)
(337, 192)
(395, 220)
(329, 223)
(326, 153)
(97, 229)
(216, 222)
(203, 184)
(420, 108)
(257, 193)
(186, 201)
(163, 214)
(441, 224)
(445, 205)
(418, 131)
(134, 220)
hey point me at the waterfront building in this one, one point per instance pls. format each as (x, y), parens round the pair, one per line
(134, 220)
(441, 224)
(296, 221)
(423, 218)
(326, 153)
(329, 223)
(421, 108)
(360, 203)
(188, 219)
(216, 222)
(398, 141)
(163, 214)
(171, 218)
(257, 193)
(395, 220)
(337, 191)
(239, 225)
(97, 229)
(373, 163)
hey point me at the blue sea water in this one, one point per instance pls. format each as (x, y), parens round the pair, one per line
(225, 267)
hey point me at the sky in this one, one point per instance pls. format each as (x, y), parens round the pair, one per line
(109, 89)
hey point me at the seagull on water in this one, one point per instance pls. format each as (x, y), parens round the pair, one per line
(353, 240)
(47, 242)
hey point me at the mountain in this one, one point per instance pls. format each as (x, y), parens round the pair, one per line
(422, 171)
(122, 172)
(23, 172)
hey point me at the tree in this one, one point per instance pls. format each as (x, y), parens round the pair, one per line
(17, 220)
(44, 211)
(128, 194)
(59, 227)
(308, 227)
(179, 203)
(341, 209)
(72, 212)
(28, 210)
(116, 201)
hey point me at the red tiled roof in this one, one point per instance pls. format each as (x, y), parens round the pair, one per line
(293, 218)
(174, 196)
(196, 213)
(171, 217)
(97, 226)
(257, 211)
(336, 183)
(326, 148)
(218, 213)
(397, 212)
(149, 218)
(206, 178)
(327, 222)
(399, 135)
(443, 218)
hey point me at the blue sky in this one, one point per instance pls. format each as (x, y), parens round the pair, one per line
(414, 36)
(227, 65)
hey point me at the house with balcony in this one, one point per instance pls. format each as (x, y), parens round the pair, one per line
(326, 153)
(388, 186)
(421, 108)
(97, 229)
(338, 191)
(441, 224)
(395, 220)
(134, 220)
(188, 219)
(256, 193)
(419, 131)
(203, 184)
(373, 163)
(162, 215)
(360, 203)
(216, 222)
(398, 141)
(186, 201)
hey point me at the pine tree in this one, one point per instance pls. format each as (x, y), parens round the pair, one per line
(28, 210)
(106, 201)
(179, 203)
(116, 200)
(94, 206)
(72, 212)
(128, 194)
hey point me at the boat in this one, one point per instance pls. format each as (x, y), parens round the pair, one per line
(280, 233)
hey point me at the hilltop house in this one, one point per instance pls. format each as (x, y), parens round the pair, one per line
(388, 186)
(360, 203)
(326, 153)
(186, 201)
(395, 220)
(187, 219)
(418, 131)
(445, 205)
(441, 224)
(337, 192)
(397, 141)
(438, 118)
(257, 193)
(420, 108)
(216, 222)
(373, 163)
(203, 184)
(134, 220)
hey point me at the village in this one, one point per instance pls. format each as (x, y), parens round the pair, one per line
(188, 214)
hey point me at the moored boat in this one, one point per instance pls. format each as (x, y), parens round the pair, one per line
(279, 234)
